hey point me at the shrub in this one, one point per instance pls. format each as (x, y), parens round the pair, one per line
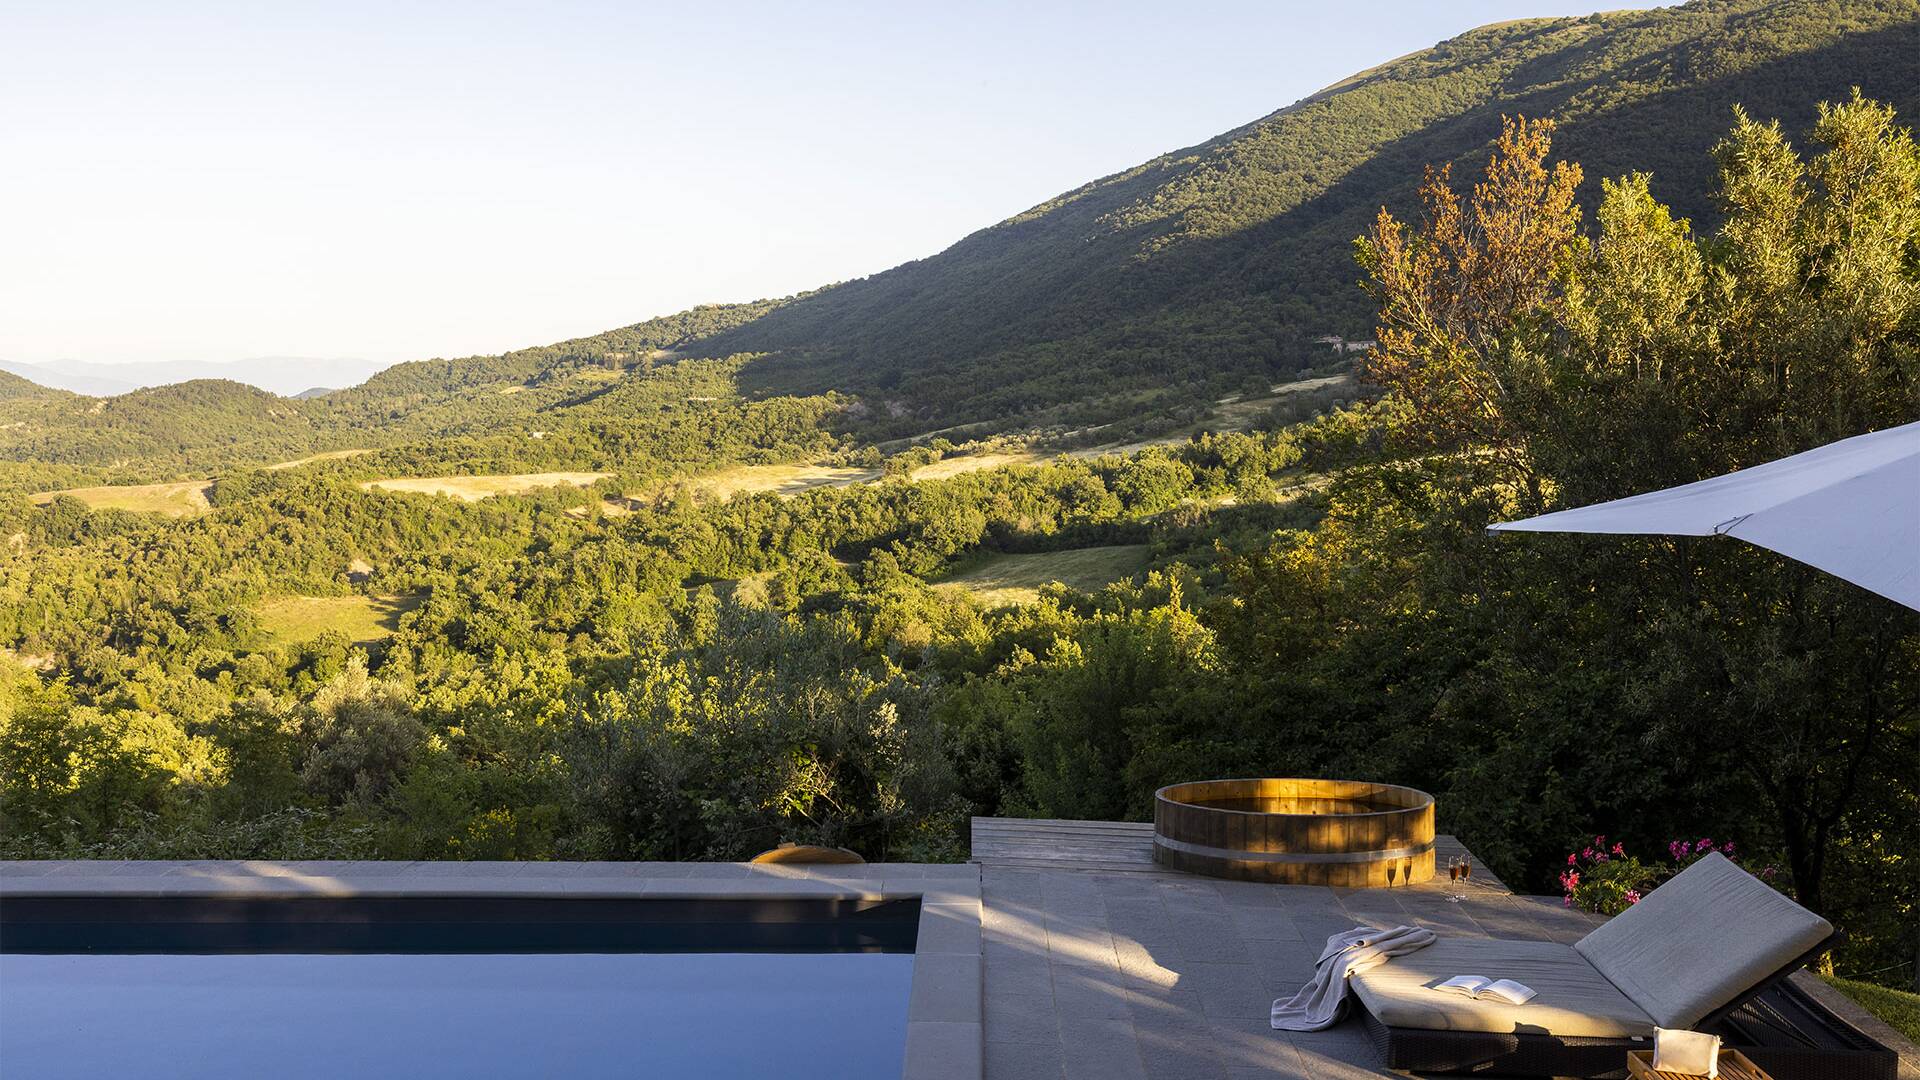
(1604, 879)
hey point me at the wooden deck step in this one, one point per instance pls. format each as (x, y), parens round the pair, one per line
(1053, 844)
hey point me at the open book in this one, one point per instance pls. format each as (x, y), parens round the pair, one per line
(1479, 986)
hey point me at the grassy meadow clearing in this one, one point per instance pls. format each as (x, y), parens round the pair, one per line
(181, 499)
(1004, 580)
(956, 466)
(475, 488)
(330, 455)
(778, 479)
(290, 620)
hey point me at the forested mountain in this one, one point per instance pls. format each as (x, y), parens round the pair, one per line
(15, 388)
(1231, 256)
(629, 346)
(285, 375)
(41, 376)
(210, 426)
(226, 421)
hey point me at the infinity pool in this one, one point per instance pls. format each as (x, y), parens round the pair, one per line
(427, 987)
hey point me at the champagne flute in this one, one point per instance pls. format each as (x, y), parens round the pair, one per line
(1466, 871)
(1453, 879)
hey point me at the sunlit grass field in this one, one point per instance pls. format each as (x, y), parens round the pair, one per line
(778, 479)
(182, 499)
(330, 455)
(363, 619)
(475, 488)
(955, 466)
(1005, 580)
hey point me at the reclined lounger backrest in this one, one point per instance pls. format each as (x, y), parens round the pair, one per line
(1701, 941)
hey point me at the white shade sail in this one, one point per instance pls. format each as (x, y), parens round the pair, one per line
(1851, 508)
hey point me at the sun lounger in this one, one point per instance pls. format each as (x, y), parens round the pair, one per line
(1694, 954)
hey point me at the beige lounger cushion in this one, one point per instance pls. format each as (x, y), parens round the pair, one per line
(1574, 999)
(1700, 941)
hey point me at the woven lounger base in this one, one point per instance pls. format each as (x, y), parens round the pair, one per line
(1819, 1046)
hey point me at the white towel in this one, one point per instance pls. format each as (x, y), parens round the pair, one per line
(1322, 1002)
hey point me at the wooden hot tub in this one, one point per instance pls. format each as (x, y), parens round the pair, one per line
(1300, 832)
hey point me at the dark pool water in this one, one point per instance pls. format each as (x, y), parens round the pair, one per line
(291, 1017)
(436, 988)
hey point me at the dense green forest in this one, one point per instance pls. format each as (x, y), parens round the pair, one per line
(637, 667)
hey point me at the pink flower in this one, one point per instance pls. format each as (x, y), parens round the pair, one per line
(1622, 851)
(1704, 845)
(1633, 896)
(1571, 859)
(1677, 849)
(1566, 901)
(1726, 848)
(1587, 853)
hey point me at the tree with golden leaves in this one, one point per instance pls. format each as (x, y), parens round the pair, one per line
(1453, 287)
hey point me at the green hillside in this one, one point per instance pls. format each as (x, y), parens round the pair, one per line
(629, 346)
(225, 421)
(1231, 256)
(18, 388)
(213, 426)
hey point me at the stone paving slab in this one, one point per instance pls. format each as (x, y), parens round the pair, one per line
(1160, 975)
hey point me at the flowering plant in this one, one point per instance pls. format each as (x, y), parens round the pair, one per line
(1606, 880)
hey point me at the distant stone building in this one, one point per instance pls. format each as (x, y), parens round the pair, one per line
(1342, 345)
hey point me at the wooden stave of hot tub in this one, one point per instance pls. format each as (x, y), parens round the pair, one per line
(1295, 848)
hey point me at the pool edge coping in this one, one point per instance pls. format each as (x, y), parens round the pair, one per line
(945, 1036)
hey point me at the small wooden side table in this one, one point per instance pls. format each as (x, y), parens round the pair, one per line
(1734, 1065)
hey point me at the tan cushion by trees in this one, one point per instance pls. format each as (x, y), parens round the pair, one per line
(1574, 999)
(1700, 941)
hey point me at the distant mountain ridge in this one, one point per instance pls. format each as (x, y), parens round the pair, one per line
(19, 388)
(283, 375)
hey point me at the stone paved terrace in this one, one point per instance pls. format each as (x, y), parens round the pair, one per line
(1099, 966)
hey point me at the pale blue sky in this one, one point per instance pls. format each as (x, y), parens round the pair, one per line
(190, 181)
